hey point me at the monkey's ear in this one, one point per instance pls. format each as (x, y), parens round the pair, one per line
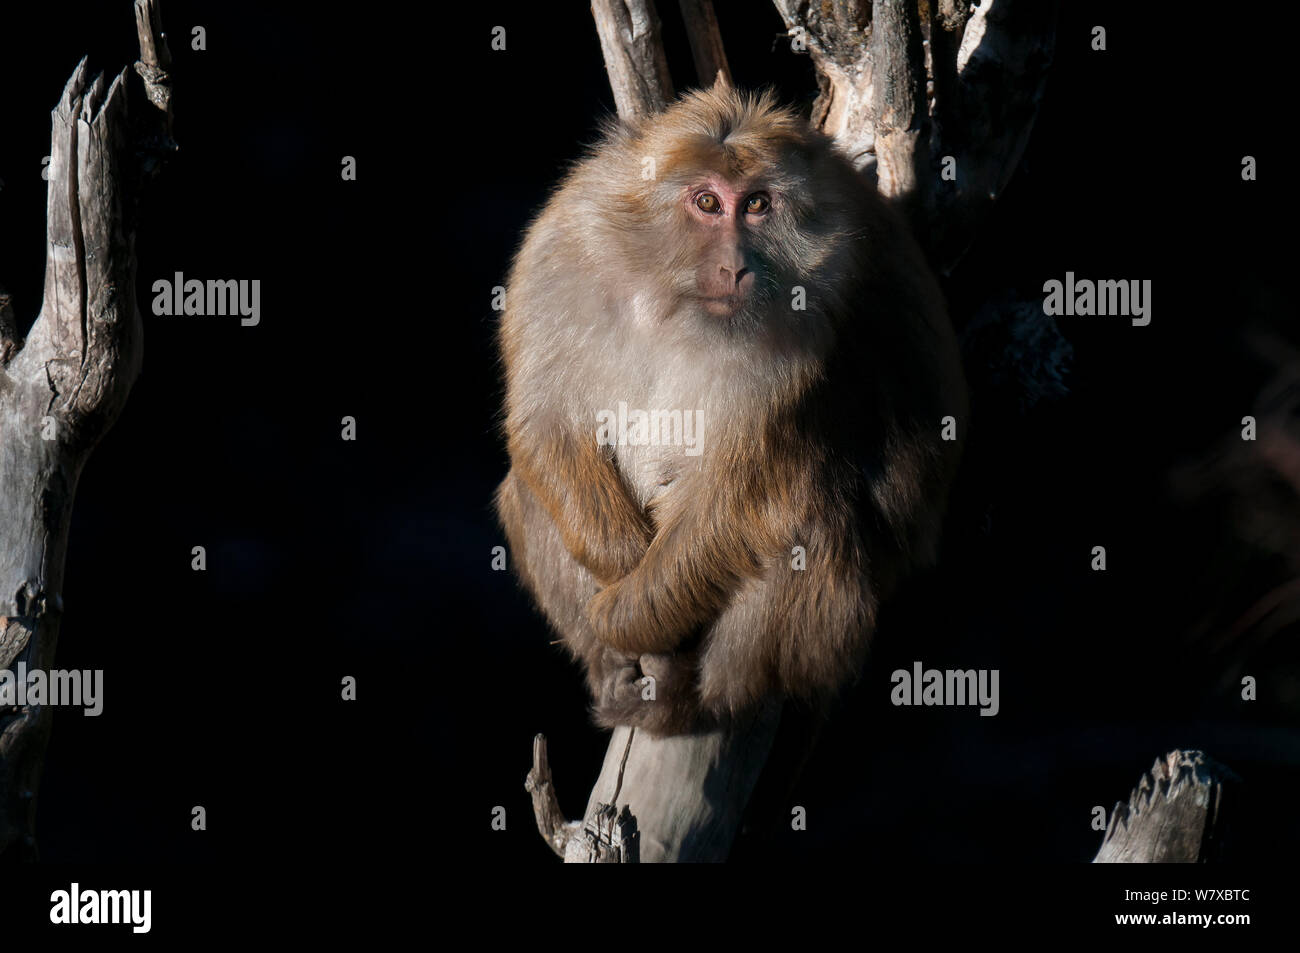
(722, 82)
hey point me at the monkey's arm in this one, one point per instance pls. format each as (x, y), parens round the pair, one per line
(702, 550)
(775, 624)
(585, 496)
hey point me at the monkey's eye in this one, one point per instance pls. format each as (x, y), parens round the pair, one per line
(708, 202)
(757, 204)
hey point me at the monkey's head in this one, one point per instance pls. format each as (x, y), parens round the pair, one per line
(733, 206)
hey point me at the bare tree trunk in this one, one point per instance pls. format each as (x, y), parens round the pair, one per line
(61, 390)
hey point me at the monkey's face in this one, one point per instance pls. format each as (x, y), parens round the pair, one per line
(723, 219)
(726, 214)
(748, 220)
(755, 232)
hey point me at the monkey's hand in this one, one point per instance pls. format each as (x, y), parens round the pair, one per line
(656, 693)
(679, 586)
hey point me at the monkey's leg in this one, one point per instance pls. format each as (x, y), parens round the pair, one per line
(562, 588)
(799, 633)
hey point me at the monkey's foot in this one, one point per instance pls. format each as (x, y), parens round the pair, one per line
(654, 692)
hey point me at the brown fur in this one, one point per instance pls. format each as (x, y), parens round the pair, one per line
(821, 426)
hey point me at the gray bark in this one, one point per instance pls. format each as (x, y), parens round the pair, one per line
(634, 56)
(1175, 815)
(899, 109)
(659, 800)
(688, 792)
(62, 389)
(706, 42)
(985, 75)
(837, 36)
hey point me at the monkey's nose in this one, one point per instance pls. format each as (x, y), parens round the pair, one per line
(733, 276)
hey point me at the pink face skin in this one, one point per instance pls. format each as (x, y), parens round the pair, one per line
(723, 217)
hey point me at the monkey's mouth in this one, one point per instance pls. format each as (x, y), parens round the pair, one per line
(725, 306)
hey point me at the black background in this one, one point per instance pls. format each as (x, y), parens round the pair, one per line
(371, 558)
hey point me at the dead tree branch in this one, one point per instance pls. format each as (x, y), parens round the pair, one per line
(62, 389)
(837, 37)
(899, 110)
(634, 56)
(551, 823)
(947, 156)
(706, 42)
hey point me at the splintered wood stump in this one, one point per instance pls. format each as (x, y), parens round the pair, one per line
(688, 792)
(1175, 815)
(659, 800)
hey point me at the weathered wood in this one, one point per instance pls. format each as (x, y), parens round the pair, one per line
(900, 113)
(551, 823)
(706, 42)
(1175, 814)
(155, 57)
(687, 792)
(988, 69)
(9, 340)
(634, 56)
(659, 800)
(60, 392)
(608, 836)
(838, 39)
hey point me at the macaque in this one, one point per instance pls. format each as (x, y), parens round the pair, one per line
(728, 370)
